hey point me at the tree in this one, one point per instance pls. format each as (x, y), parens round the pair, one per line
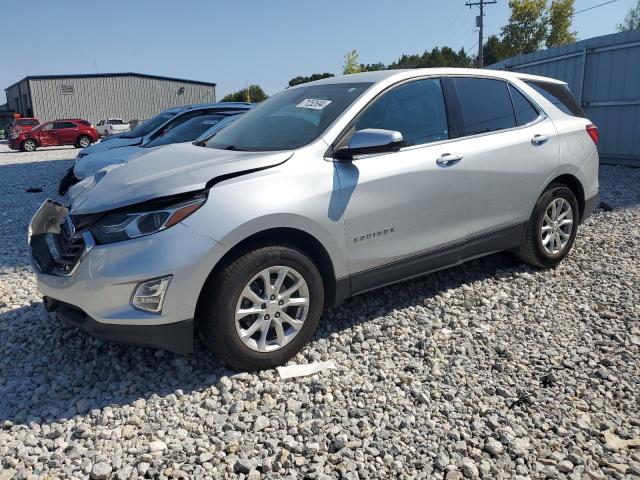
(493, 50)
(527, 27)
(632, 20)
(253, 93)
(351, 64)
(372, 67)
(311, 78)
(560, 13)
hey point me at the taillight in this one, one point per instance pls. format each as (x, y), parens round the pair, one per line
(592, 130)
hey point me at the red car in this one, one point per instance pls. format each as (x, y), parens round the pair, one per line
(58, 132)
(23, 125)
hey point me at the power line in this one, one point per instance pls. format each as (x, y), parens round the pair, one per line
(480, 25)
(595, 6)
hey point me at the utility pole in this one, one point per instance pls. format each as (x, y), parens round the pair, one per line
(480, 25)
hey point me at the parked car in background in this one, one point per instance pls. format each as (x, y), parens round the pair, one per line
(326, 190)
(112, 126)
(197, 129)
(22, 125)
(161, 124)
(58, 132)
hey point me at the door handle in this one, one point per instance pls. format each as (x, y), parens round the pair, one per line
(449, 159)
(540, 139)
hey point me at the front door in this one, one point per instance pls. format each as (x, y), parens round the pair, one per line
(401, 209)
(47, 135)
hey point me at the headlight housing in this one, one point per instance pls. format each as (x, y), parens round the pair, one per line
(153, 217)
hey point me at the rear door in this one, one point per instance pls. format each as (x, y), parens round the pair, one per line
(66, 132)
(508, 148)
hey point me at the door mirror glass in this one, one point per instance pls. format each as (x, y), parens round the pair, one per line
(370, 140)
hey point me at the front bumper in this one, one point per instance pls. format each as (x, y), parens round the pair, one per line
(176, 337)
(101, 283)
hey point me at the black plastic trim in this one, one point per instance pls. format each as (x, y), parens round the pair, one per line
(589, 207)
(176, 337)
(503, 239)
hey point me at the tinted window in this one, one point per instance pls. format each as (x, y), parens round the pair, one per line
(289, 119)
(101, 122)
(84, 122)
(188, 131)
(485, 105)
(115, 121)
(560, 96)
(26, 122)
(415, 109)
(60, 125)
(150, 125)
(525, 112)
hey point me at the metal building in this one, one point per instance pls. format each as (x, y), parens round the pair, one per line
(604, 74)
(96, 96)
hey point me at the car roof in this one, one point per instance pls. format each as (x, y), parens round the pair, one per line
(220, 105)
(384, 75)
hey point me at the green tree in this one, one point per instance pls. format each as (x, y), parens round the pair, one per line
(253, 93)
(311, 78)
(372, 67)
(527, 27)
(632, 20)
(560, 13)
(351, 64)
(493, 50)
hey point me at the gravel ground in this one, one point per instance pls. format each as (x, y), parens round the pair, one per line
(489, 370)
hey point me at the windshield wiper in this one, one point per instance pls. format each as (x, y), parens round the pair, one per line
(199, 143)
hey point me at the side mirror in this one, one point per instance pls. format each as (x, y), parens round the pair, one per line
(370, 140)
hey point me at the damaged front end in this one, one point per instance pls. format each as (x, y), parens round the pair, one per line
(56, 244)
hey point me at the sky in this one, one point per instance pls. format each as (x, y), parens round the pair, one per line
(239, 42)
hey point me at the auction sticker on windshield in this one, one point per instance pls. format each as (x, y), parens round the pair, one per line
(313, 103)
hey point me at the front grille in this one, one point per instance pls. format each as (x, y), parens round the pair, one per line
(70, 247)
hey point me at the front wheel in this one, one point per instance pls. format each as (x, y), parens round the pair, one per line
(83, 141)
(261, 308)
(29, 145)
(552, 228)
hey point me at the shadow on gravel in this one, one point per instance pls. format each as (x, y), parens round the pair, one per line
(51, 372)
(619, 194)
(41, 149)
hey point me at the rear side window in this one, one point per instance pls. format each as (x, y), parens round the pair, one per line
(84, 122)
(560, 96)
(485, 105)
(61, 125)
(525, 112)
(415, 109)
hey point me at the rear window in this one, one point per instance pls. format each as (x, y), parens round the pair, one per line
(84, 122)
(26, 122)
(485, 105)
(560, 96)
(115, 121)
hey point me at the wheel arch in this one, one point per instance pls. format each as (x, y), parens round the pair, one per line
(574, 184)
(335, 290)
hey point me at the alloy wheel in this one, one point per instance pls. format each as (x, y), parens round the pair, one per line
(84, 142)
(29, 145)
(272, 308)
(557, 226)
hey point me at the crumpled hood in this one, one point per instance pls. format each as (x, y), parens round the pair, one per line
(169, 170)
(113, 143)
(91, 164)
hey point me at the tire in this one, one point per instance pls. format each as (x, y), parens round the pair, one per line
(83, 141)
(543, 251)
(29, 145)
(67, 181)
(224, 293)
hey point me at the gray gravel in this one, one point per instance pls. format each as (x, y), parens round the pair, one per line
(489, 370)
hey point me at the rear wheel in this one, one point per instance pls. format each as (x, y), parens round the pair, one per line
(261, 308)
(552, 228)
(29, 145)
(83, 141)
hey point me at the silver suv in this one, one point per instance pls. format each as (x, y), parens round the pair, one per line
(324, 191)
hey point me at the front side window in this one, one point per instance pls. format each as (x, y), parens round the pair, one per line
(560, 96)
(525, 112)
(290, 119)
(485, 105)
(415, 109)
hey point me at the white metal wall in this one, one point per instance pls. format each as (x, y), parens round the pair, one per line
(126, 97)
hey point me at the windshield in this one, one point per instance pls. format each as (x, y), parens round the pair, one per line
(115, 121)
(150, 125)
(290, 119)
(187, 131)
